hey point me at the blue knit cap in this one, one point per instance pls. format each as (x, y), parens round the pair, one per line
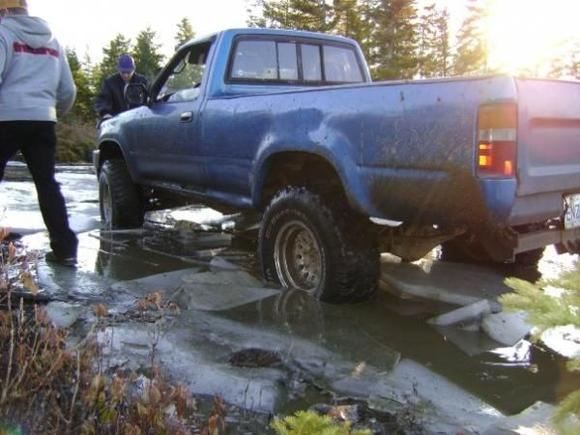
(126, 64)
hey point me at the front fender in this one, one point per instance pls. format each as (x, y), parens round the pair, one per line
(111, 142)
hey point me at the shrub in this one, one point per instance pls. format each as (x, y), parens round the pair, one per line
(76, 140)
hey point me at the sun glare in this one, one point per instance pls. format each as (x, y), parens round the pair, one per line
(524, 36)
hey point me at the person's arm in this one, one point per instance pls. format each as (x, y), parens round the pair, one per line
(3, 58)
(104, 101)
(67, 91)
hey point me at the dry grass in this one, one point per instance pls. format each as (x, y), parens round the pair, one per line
(51, 387)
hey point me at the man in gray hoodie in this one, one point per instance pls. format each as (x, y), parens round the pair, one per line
(36, 84)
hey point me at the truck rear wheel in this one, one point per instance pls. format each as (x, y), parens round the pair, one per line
(120, 201)
(328, 252)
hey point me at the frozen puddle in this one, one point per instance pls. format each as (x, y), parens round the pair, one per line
(457, 284)
(208, 291)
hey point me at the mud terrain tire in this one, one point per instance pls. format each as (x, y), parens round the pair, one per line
(327, 251)
(120, 200)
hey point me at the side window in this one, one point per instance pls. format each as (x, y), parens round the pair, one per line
(255, 60)
(340, 65)
(301, 62)
(287, 61)
(184, 81)
(265, 60)
(311, 69)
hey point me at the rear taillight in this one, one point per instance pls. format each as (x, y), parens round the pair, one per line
(497, 138)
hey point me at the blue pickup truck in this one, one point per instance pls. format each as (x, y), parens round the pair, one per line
(288, 123)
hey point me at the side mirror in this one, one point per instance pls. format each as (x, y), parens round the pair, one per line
(136, 94)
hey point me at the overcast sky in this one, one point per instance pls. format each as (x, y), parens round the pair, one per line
(89, 25)
(521, 33)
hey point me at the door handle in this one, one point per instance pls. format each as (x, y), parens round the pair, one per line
(186, 117)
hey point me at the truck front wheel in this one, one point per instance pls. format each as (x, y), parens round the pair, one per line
(120, 201)
(306, 244)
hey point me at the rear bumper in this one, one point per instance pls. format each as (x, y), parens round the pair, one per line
(565, 240)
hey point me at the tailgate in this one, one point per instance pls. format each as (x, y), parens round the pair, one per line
(548, 137)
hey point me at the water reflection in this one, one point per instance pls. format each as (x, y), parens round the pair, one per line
(372, 333)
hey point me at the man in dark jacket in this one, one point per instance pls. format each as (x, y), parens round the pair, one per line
(36, 85)
(111, 98)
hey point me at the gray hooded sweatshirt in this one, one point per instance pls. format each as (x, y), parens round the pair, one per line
(36, 82)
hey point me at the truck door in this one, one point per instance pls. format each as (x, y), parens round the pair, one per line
(166, 139)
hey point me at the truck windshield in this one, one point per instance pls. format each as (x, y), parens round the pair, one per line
(289, 62)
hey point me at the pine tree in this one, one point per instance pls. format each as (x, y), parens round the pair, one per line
(274, 14)
(314, 15)
(350, 19)
(119, 45)
(83, 107)
(471, 56)
(148, 60)
(567, 66)
(433, 48)
(393, 40)
(443, 46)
(308, 422)
(184, 33)
(544, 312)
(574, 63)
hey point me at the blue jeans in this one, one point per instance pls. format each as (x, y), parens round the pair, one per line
(36, 140)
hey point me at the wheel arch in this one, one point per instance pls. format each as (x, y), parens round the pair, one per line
(299, 168)
(109, 149)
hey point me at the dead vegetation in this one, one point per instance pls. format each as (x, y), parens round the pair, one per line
(50, 385)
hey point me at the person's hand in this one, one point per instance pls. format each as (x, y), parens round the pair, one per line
(103, 119)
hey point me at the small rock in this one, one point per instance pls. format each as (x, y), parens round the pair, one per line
(466, 314)
(507, 327)
(563, 339)
(62, 314)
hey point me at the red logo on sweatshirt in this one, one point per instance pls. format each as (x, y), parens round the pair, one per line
(23, 48)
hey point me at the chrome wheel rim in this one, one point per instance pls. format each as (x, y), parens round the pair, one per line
(298, 257)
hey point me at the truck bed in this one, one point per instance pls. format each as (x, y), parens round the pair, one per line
(407, 150)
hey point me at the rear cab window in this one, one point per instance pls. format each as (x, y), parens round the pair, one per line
(275, 60)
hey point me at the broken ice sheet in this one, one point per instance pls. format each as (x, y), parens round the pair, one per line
(516, 355)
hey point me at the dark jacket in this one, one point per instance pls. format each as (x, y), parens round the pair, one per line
(111, 97)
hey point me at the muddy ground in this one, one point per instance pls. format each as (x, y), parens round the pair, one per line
(267, 352)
